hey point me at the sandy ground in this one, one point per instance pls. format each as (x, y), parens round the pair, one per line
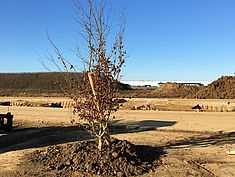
(195, 143)
(171, 120)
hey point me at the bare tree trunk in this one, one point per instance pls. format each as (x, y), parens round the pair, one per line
(107, 138)
(100, 143)
(92, 84)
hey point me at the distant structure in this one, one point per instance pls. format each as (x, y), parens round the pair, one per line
(185, 83)
(154, 83)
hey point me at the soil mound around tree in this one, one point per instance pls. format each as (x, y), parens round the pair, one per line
(175, 90)
(223, 88)
(121, 159)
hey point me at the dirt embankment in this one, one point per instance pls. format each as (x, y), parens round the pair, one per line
(223, 88)
(43, 84)
(56, 84)
(28, 84)
(174, 90)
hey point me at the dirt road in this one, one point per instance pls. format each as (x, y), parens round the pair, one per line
(170, 120)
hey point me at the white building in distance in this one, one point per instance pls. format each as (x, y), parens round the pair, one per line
(154, 83)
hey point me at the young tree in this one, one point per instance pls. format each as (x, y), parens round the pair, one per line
(95, 100)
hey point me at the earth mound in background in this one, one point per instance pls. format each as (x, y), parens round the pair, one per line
(12, 84)
(43, 83)
(222, 88)
(121, 159)
(175, 90)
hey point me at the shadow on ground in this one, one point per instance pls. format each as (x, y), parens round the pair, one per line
(24, 138)
(203, 141)
(118, 127)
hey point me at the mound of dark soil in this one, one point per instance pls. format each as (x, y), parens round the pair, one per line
(222, 88)
(121, 159)
(174, 90)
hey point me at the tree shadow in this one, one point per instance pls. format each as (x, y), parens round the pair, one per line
(148, 153)
(203, 141)
(36, 137)
(24, 138)
(118, 127)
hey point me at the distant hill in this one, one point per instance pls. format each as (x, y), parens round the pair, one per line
(35, 83)
(41, 84)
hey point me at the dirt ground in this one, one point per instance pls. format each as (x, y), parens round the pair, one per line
(193, 143)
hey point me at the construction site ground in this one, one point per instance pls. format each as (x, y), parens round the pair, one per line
(193, 143)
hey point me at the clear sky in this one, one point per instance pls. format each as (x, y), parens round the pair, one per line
(165, 39)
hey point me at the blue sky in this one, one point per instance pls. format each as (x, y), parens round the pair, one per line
(165, 39)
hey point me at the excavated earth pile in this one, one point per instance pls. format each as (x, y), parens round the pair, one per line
(44, 84)
(174, 90)
(121, 159)
(223, 88)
